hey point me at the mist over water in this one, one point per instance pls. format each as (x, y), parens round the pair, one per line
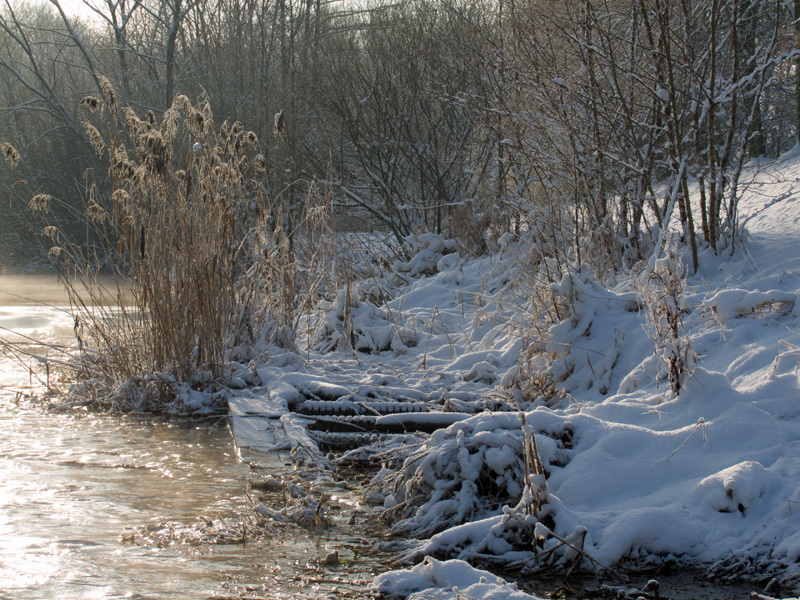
(33, 289)
(45, 289)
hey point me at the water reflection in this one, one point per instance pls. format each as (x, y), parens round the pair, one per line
(78, 492)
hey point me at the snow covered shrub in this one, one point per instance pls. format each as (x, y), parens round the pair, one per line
(568, 349)
(478, 491)
(355, 324)
(472, 470)
(426, 251)
(734, 303)
(663, 293)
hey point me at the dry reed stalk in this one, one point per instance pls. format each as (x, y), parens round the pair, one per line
(535, 493)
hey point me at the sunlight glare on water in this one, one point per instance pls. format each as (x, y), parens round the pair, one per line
(80, 492)
(74, 485)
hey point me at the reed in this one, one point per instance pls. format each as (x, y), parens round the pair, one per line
(203, 274)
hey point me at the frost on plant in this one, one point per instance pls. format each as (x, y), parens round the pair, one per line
(663, 293)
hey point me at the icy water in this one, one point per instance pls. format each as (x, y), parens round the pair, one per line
(85, 501)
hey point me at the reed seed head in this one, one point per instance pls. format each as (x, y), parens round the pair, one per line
(195, 122)
(95, 212)
(122, 167)
(50, 232)
(108, 91)
(121, 202)
(169, 124)
(131, 119)
(90, 102)
(181, 101)
(206, 110)
(10, 154)
(157, 155)
(40, 203)
(95, 137)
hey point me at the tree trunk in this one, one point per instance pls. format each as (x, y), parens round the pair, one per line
(748, 24)
(796, 17)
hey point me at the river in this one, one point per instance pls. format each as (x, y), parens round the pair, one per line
(96, 506)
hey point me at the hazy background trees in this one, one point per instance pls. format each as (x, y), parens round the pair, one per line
(581, 123)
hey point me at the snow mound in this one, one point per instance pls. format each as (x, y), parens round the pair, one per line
(735, 488)
(448, 580)
(428, 249)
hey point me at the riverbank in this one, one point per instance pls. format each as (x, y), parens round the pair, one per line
(500, 419)
(444, 380)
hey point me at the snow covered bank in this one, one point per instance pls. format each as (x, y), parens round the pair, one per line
(629, 472)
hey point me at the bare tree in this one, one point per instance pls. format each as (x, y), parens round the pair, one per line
(630, 93)
(409, 135)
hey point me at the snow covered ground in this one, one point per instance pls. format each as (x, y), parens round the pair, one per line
(620, 470)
